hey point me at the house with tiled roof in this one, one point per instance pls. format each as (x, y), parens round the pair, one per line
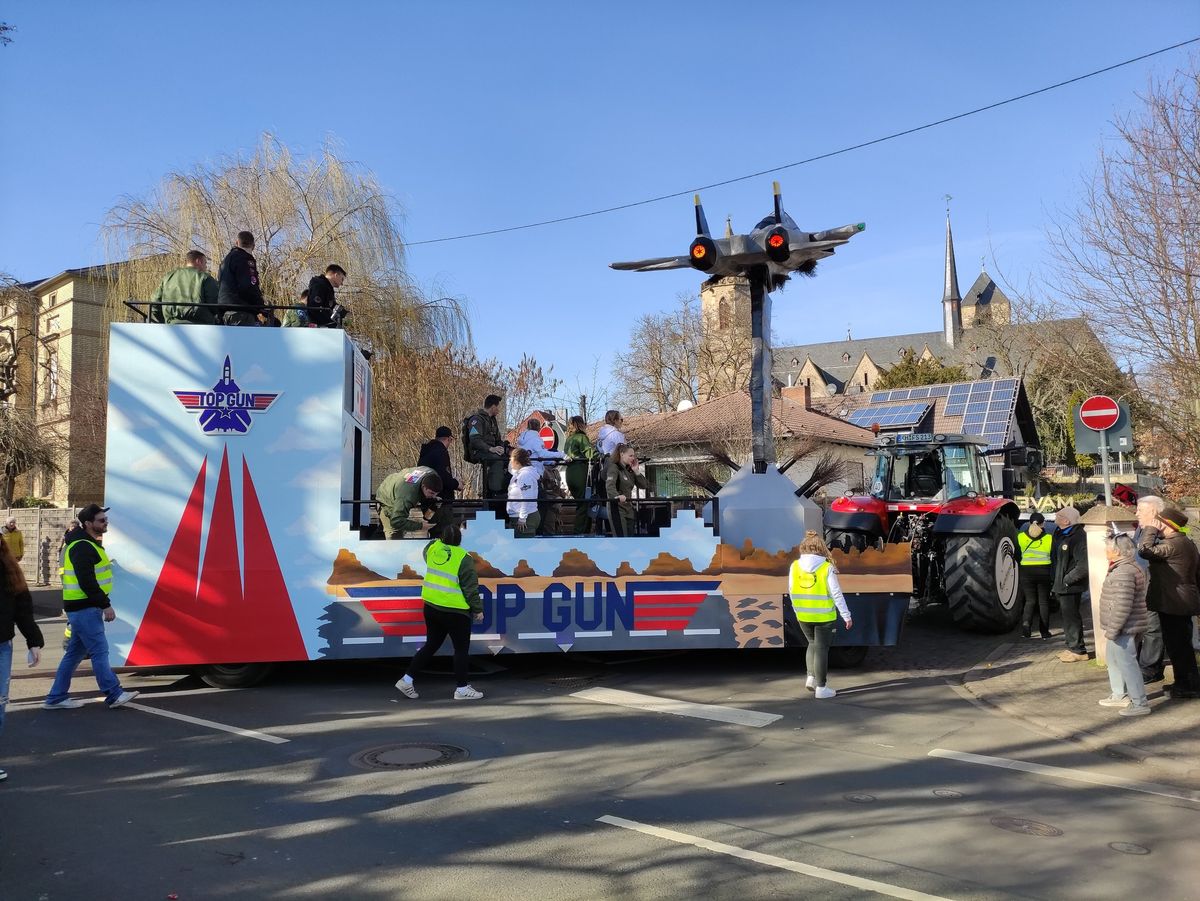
(671, 442)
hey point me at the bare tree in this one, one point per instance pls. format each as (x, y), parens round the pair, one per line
(713, 458)
(6, 31)
(676, 356)
(1129, 256)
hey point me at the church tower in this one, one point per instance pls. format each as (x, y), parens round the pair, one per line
(952, 324)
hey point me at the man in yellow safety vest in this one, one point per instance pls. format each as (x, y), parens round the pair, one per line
(87, 584)
(452, 603)
(1037, 576)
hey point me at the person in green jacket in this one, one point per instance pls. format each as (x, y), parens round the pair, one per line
(403, 491)
(623, 478)
(188, 294)
(580, 453)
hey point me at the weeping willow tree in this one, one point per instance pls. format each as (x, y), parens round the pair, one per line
(305, 213)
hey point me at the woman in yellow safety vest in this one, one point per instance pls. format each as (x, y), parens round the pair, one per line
(817, 601)
(1037, 575)
(452, 603)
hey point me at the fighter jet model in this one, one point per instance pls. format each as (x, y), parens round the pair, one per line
(776, 242)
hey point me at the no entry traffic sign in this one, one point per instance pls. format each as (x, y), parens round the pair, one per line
(1099, 412)
(548, 437)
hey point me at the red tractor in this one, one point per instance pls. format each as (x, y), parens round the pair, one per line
(935, 492)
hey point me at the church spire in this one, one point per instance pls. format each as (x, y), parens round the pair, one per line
(951, 299)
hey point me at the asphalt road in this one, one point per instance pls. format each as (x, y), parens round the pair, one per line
(566, 796)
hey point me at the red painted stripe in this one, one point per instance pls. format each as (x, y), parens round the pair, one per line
(407, 616)
(395, 604)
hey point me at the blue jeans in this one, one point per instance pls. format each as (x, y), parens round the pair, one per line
(5, 675)
(87, 637)
(1124, 674)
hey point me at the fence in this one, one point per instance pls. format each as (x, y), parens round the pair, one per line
(43, 531)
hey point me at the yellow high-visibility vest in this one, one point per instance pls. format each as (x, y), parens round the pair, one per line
(1035, 551)
(441, 588)
(70, 581)
(811, 599)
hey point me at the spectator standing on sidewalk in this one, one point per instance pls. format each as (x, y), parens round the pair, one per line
(452, 603)
(87, 584)
(1151, 657)
(817, 601)
(1123, 618)
(1173, 592)
(13, 538)
(1037, 575)
(1068, 558)
(16, 612)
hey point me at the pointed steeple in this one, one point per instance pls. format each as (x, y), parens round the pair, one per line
(951, 299)
(728, 226)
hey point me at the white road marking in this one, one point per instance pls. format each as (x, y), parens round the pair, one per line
(374, 639)
(647, 633)
(734, 715)
(701, 631)
(770, 860)
(1058, 772)
(607, 634)
(524, 635)
(209, 724)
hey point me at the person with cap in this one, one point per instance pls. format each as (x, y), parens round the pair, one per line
(13, 538)
(435, 454)
(1173, 593)
(402, 492)
(87, 582)
(1068, 560)
(1037, 576)
(1123, 618)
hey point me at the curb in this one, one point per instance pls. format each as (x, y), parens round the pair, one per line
(1089, 740)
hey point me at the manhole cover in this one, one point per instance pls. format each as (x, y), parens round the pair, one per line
(1026, 827)
(1127, 848)
(946, 793)
(859, 798)
(408, 757)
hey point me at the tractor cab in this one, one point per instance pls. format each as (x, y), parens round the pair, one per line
(929, 469)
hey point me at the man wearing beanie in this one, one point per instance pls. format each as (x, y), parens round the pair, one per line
(1173, 593)
(1037, 575)
(1068, 559)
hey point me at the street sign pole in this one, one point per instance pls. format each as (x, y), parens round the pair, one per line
(1104, 467)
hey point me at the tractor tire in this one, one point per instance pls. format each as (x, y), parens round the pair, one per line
(982, 588)
(234, 675)
(843, 540)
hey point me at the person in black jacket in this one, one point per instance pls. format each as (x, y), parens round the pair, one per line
(16, 612)
(321, 300)
(1068, 559)
(238, 284)
(1174, 592)
(436, 455)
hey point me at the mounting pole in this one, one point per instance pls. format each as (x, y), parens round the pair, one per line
(762, 440)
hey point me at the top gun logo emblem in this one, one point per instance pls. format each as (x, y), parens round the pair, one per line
(226, 409)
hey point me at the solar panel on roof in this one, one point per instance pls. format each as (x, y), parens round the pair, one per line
(918, 392)
(879, 396)
(939, 391)
(891, 417)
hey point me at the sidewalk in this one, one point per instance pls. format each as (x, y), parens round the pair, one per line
(1024, 678)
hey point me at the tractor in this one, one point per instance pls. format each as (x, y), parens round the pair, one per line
(934, 491)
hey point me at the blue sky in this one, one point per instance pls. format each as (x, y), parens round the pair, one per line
(478, 115)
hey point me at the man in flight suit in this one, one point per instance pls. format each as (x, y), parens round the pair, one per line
(487, 447)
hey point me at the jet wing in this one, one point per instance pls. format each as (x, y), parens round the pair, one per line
(653, 264)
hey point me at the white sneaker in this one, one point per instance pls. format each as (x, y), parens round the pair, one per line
(1114, 702)
(467, 693)
(64, 704)
(407, 689)
(825, 692)
(122, 699)
(811, 683)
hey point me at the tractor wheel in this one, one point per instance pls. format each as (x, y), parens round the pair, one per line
(841, 539)
(981, 578)
(234, 675)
